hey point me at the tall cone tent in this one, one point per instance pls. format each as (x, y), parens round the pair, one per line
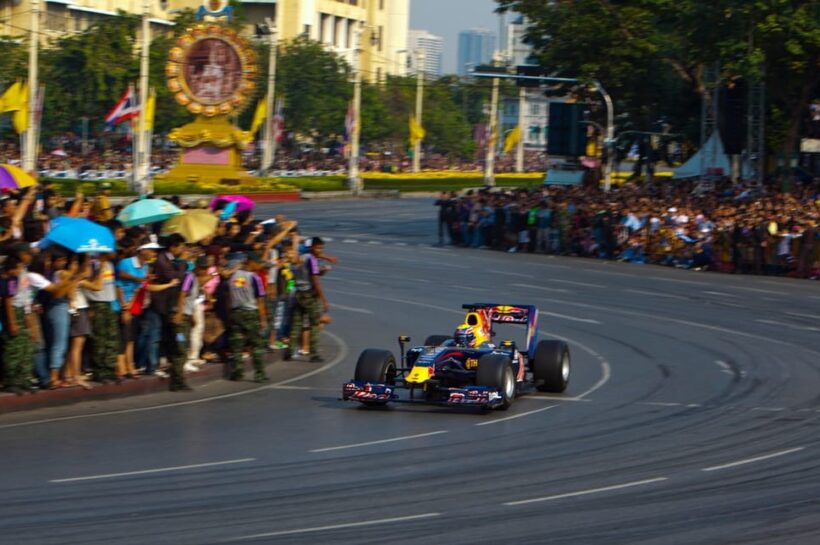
(696, 167)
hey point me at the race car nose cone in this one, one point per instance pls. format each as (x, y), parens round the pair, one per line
(419, 375)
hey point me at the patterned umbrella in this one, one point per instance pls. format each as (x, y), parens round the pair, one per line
(12, 177)
(145, 211)
(242, 203)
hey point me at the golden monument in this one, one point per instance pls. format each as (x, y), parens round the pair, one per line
(211, 70)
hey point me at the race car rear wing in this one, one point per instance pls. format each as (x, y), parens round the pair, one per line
(511, 314)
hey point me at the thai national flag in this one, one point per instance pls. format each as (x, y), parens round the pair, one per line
(126, 108)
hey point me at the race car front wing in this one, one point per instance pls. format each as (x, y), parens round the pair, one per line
(369, 392)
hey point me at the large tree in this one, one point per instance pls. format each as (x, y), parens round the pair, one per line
(651, 53)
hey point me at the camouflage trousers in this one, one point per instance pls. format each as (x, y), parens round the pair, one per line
(182, 335)
(305, 305)
(18, 354)
(105, 340)
(246, 331)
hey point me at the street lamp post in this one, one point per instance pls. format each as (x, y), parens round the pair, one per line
(269, 151)
(141, 141)
(519, 151)
(30, 156)
(420, 67)
(354, 179)
(489, 165)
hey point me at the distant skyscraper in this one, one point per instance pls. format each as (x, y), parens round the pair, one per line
(433, 47)
(475, 47)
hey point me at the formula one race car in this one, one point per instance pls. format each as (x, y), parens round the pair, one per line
(465, 369)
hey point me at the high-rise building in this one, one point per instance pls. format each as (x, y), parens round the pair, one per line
(433, 48)
(384, 23)
(475, 47)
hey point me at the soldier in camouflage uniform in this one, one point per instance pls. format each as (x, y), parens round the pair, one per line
(17, 343)
(183, 320)
(308, 295)
(248, 318)
(105, 332)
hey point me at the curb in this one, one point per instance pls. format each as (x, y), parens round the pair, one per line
(347, 195)
(212, 372)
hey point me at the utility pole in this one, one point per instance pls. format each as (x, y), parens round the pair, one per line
(421, 62)
(30, 156)
(489, 165)
(141, 167)
(354, 180)
(519, 152)
(269, 151)
(609, 143)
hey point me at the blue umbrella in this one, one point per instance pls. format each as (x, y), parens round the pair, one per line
(145, 211)
(82, 236)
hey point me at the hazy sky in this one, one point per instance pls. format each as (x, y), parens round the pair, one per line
(447, 18)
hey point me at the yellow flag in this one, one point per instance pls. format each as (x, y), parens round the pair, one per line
(10, 101)
(150, 109)
(512, 139)
(259, 115)
(417, 132)
(20, 119)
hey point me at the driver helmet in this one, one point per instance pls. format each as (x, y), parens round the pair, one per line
(465, 336)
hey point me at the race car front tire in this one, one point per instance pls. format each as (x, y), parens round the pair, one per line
(551, 366)
(377, 366)
(495, 371)
(437, 340)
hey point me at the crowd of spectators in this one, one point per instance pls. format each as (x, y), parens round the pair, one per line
(158, 305)
(731, 229)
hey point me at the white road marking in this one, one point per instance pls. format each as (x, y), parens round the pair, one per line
(149, 471)
(588, 492)
(513, 417)
(769, 409)
(350, 241)
(660, 404)
(790, 326)
(519, 275)
(752, 460)
(352, 309)
(340, 357)
(551, 398)
(374, 242)
(544, 288)
(656, 294)
(721, 294)
(380, 441)
(679, 281)
(574, 283)
(339, 526)
(401, 244)
(801, 315)
(570, 318)
(758, 290)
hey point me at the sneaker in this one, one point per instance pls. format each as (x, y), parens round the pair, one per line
(190, 368)
(160, 373)
(261, 379)
(279, 345)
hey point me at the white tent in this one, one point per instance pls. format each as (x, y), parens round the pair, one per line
(718, 160)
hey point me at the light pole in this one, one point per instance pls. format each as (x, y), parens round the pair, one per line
(141, 167)
(489, 165)
(353, 170)
(421, 62)
(269, 149)
(30, 156)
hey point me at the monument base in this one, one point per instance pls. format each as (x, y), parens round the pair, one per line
(210, 153)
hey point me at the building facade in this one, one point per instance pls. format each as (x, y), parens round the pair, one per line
(475, 47)
(383, 23)
(433, 48)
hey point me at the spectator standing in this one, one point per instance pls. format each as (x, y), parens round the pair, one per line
(170, 267)
(18, 341)
(103, 309)
(248, 317)
(308, 295)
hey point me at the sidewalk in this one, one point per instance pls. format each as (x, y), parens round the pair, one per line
(128, 387)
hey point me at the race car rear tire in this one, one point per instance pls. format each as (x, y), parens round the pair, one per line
(551, 366)
(436, 340)
(378, 366)
(495, 371)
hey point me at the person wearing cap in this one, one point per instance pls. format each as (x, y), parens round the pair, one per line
(248, 316)
(132, 272)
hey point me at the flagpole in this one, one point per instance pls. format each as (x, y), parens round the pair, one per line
(30, 156)
(141, 165)
(269, 149)
(420, 68)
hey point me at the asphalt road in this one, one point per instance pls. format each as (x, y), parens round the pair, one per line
(691, 417)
